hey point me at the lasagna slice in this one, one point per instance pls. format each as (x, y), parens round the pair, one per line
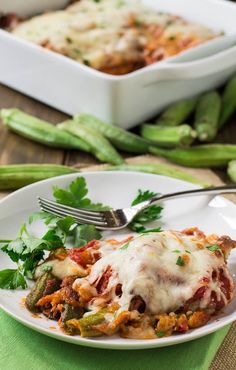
(151, 285)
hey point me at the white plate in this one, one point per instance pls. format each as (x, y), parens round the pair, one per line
(212, 215)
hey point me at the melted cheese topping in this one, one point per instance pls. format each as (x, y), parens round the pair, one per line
(61, 268)
(148, 267)
(105, 33)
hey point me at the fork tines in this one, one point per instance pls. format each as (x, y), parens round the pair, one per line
(82, 216)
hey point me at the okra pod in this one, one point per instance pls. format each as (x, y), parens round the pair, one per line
(231, 170)
(207, 116)
(178, 112)
(99, 145)
(160, 169)
(228, 101)
(17, 175)
(120, 138)
(40, 131)
(70, 312)
(207, 155)
(39, 288)
(168, 136)
(86, 326)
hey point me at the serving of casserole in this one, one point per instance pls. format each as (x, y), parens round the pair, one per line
(147, 286)
(113, 36)
(140, 38)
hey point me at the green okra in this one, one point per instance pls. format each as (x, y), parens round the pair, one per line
(40, 131)
(16, 176)
(168, 136)
(228, 101)
(39, 288)
(99, 145)
(70, 312)
(177, 113)
(120, 138)
(207, 116)
(86, 326)
(207, 155)
(160, 169)
(231, 170)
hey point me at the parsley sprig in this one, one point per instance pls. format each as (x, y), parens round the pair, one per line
(213, 248)
(180, 261)
(27, 250)
(152, 213)
(75, 196)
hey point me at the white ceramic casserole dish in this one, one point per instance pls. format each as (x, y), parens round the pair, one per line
(129, 99)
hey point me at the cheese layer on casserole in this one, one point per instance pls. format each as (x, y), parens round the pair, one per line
(114, 36)
(165, 269)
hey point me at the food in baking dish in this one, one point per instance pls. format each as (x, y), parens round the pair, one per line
(113, 36)
(145, 287)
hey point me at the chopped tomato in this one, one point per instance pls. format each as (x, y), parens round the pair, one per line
(86, 255)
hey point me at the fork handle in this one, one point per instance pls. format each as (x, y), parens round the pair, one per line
(187, 193)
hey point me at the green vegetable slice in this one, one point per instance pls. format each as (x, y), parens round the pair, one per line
(40, 131)
(99, 145)
(120, 138)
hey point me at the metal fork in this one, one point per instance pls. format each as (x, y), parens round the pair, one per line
(116, 219)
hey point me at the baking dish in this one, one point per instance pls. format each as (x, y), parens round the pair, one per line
(29, 7)
(129, 99)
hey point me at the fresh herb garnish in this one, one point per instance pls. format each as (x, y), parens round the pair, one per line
(12, 279)
(160, 334)
(27, 250)
(187, 251)
(142, 196)
(86, 233)
(176, 251)
(157, 230)
(125, 246)
(149, 214)
(213, 248)
(75, 196)
(180, 261)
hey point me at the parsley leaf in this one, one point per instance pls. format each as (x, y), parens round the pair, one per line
(157, 230)
(46, 217)
(86, 233)
(176, 251)
(12, 279)
(126, 245)
(180, 261)
(149, 214)
(213, 248)
(31, 261)
(52, 239)
(75, 196)
(14, 249)
(152, 213)
(66, 224)
(142, 196)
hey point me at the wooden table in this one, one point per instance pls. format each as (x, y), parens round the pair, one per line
(14, 149)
